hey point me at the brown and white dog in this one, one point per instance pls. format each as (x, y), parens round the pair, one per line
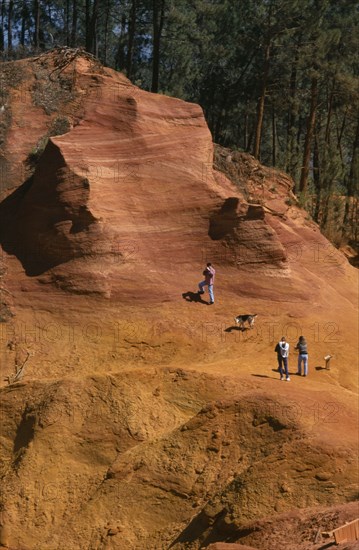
(241, 319)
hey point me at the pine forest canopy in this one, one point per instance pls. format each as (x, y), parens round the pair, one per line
(276, 78)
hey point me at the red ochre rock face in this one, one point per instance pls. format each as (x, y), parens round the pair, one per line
(129, 189)
(124, 202)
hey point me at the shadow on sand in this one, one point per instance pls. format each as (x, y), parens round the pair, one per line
(193, 297)
(235, 327)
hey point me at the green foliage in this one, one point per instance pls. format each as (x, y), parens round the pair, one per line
(59, 125)
(49, 93)
(37, 151)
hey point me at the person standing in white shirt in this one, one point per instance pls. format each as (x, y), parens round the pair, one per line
(282, 349)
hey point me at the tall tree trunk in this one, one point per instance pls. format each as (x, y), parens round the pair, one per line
(250, 138)
(352, 186)
(260, 109)
(221, 117)
(217, 127)
(74, 23)
(37, 23)
(2, 28)
(292, 119)
(107, 18)
(274, 138)
(91, 45)
(158, 20)
(308, 136)
(131, 38)
(9, 25)
(329, 114)
(67, 22)
(245, 132)
(120, 55)
(87, 25)
(316, 178)
(24, 17)
(340, 133)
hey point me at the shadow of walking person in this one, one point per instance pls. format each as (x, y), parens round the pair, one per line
(193, 297)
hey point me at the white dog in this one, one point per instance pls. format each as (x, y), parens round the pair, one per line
(241, 319)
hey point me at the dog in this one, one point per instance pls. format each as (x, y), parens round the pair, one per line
(241, 319)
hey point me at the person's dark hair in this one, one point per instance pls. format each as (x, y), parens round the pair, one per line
(209, 264)
(301, 339)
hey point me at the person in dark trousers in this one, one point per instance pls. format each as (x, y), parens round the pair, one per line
(209, 274)
(302, 347)
(282, 349)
